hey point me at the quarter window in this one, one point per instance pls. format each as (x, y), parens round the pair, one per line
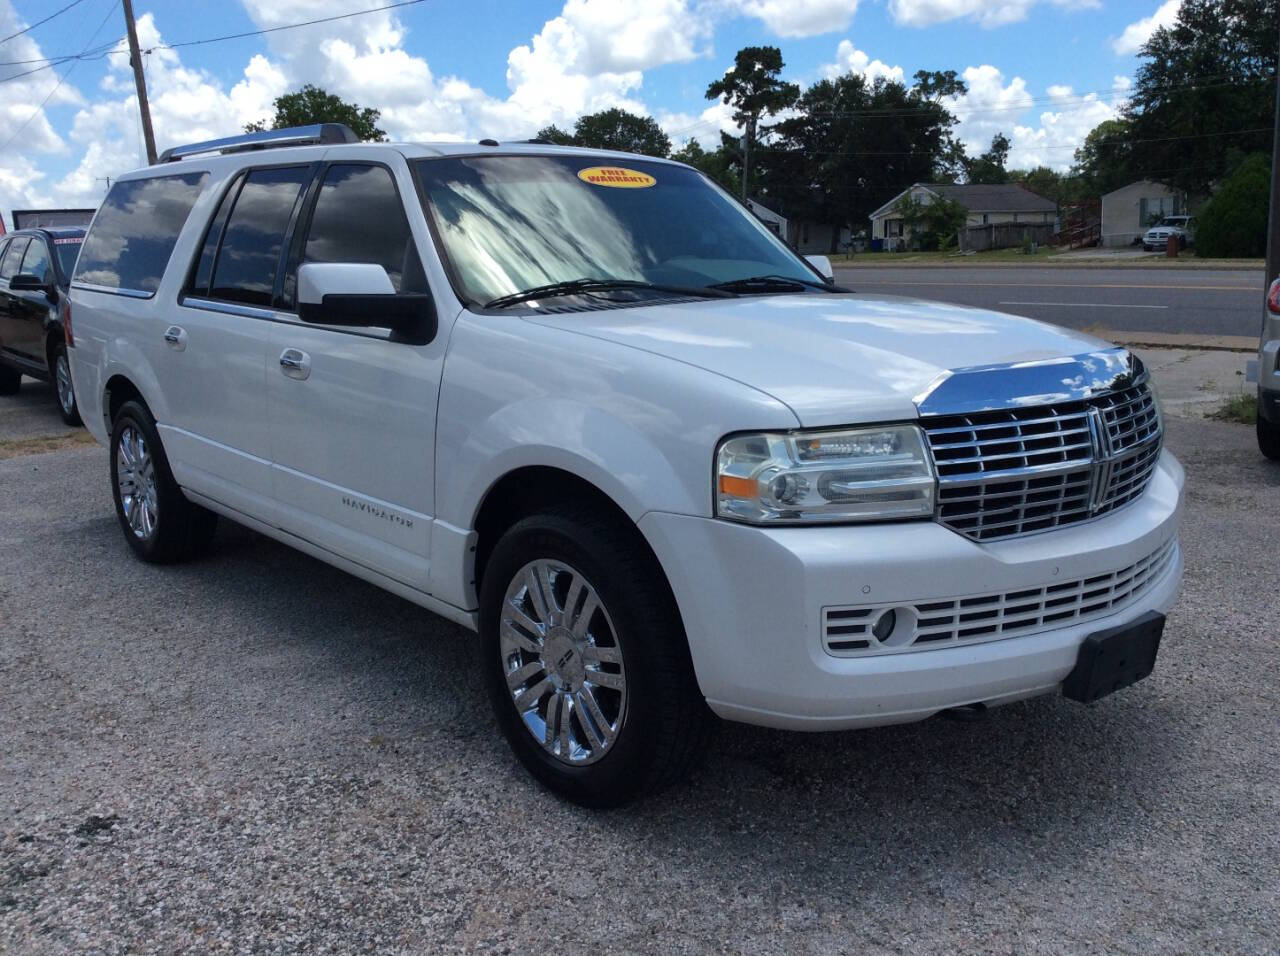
(249, 257)
(358, 218)
(36, 261)
(12, 257)
(133, 235)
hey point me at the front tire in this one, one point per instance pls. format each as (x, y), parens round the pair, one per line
(10, 380)
(1268, 438)
(159, 523)
(63, 387)
(585, 659)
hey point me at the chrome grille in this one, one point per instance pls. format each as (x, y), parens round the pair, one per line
(847, 631)
(1022, 470)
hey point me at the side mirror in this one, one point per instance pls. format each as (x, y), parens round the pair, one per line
(823, 265)
(28, 282)
(360, 295)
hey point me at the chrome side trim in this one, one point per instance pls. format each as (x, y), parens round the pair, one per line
(228, 308)
(110, 290)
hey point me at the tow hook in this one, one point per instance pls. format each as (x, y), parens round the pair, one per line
(965, 713)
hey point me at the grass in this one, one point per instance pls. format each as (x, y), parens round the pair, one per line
(1242, 409)
(1044, 256)
(18, 447)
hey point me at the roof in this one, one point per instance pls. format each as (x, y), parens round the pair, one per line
(1146, 184)
(57, 232)
(981, 197)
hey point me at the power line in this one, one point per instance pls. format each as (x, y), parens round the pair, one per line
(111, 5)
(41, 22)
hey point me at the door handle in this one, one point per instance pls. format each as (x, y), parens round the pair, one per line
(295, 363)
(176, 337)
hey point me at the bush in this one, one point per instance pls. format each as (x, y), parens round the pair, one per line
(1233, 224)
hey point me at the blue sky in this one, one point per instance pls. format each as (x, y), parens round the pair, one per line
(1044, 72)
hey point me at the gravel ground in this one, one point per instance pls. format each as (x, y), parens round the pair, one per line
(257, 752)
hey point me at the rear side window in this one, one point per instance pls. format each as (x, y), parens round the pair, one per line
(358, 218)
(248, 259)
(12, 257)
(36, 261)
(133, 235)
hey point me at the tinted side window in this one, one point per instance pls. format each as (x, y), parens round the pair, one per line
(12, 257)
(36, 261)
(250, 255)
(212, 237)
(358, 218)
(133, 235)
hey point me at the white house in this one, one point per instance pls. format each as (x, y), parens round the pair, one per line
(1129, 210)
(775, 222)
(986, 204)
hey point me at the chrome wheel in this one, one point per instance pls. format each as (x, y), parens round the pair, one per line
(62, 380)
(562, 662)
(136, 478)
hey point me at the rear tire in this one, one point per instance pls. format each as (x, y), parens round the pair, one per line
(10, 380)
(1268, 438)
(158, 521)
(63, 387)
(585, 659)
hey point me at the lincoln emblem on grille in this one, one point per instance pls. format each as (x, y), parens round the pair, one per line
(1102, 457)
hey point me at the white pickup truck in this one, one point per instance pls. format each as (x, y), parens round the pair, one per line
(588, 406)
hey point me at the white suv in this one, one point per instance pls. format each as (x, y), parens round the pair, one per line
(588, 406)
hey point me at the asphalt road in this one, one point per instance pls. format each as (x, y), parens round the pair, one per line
(1206, 301)
(258, 752)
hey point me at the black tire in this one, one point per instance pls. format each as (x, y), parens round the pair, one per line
(180, 529)
(70, 411)
(10, 380)
(665, 722)
(1268, 438)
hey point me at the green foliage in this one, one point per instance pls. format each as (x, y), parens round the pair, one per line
(1234, 222)
(1104, 160)
(853, 145)
(931, 225)
(311, 105)
(612, 129)
(754, 87)
(1203, 82)
(989, 167)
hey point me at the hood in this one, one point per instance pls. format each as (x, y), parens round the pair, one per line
(833, 359)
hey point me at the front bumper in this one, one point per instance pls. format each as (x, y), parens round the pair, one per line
(753, 599)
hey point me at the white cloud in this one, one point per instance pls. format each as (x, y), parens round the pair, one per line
(988, 13)
(1136, 34)
(849, 59)
(993, 106)
(798, 18)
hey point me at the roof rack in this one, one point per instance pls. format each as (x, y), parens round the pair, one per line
(268, 139)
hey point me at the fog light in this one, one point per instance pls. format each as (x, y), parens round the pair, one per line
(884, 625)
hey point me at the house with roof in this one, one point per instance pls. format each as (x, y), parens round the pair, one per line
(986, 204)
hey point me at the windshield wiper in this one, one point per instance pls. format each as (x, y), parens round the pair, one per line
(773, 283)
(576, 286)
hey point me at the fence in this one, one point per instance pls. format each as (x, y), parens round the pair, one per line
(1003, 235)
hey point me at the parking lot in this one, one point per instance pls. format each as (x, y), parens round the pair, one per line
(258, 752)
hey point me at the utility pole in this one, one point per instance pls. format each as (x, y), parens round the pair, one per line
(747, 135)
(1273, 220)
(140, 81)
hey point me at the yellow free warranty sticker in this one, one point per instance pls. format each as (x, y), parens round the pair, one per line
(616, 177)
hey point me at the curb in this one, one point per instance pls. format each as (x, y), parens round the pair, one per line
(1183, 340)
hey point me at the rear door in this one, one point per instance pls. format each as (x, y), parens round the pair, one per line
(214, 361)
(353, 431)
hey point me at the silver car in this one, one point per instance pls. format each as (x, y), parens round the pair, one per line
(1269, 376)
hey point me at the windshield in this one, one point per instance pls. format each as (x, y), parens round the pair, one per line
(512, 223)
(68, 248)
(1173, 221)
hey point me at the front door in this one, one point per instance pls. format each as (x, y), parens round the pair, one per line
(353, 411)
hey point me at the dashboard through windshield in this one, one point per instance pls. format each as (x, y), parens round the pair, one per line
(510, 223)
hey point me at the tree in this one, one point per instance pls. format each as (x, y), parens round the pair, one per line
(854, 145)
(936, 84)
(754, 88)
(1207, 85)
(931, 225)
(612, 129)
(1104, 160)
(1234, 222)
(989, 167)
(311, 105)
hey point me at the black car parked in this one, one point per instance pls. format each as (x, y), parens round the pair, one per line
(35, 272)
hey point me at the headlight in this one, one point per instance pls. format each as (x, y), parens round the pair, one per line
(863, 474)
